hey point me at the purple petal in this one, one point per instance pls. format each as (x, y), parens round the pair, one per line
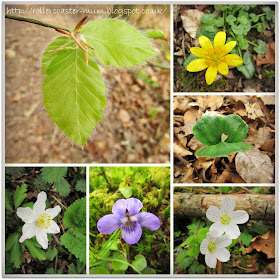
(134, 205)
(119, 207)
(109, 223)
(132, 235)
(148, 220)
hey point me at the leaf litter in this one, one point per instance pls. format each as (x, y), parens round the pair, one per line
(259, 114)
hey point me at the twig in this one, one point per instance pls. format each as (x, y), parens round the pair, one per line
(158, 65)
(220, 269)
(36, 21)
(59, 202)
(185, 87)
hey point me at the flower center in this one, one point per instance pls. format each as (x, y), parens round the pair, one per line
(44, 221)
(215, 58)
(225, 220)
(129, 222)
(212, 247)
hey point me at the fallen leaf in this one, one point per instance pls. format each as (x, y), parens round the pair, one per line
(190, 115)
(269, 269)
(269, 57)
(214, 102)
(17, 97)
(265, 244)
(124, 115)
(254, 111)
(194, 144)
(268, 99)
(180, 150)
(191, 20)
(260, 137)
(254, 167)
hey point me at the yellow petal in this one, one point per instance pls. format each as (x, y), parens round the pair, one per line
(223, 68)
(233, 60)
(227, 47)
(211, 74)
(205, 43)
(197, 65)
(199, 52)
(220, 39)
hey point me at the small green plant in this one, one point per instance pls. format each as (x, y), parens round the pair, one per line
(221, 134)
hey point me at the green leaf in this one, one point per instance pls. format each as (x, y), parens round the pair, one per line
(233, 242)
(81, 186)
(201, 31)
(155, 34)
(34, 249)
(238, 29)
(245, 238)
(53, 174)
(15, 248)
(140, 262)
(148, 270)
(13, 170)
(219, 22)
(119, 265)
(117, 43)
(200, 269)
(52, 271)
(259, 228)
(126, 191)
(260, 27)
(226, 189)
(8, 201)
(189, 59)
(192, 269)
(209, 130)
(62, 187)
(20, 195)
(181, 256)
(40, 184)
(75, 215)
(186, 262)
(210, 28)
(74, 94)
(118, 272)
(230, 19)
(247, 68)
(194, 248)
(243, 43)
(269, 12)
(99, 270)
(75, 244)
(261, 48)
(254, 17)
(207, 17)
(51, 253)
(201, 234)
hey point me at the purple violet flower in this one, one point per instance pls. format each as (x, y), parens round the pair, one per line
(127, 217)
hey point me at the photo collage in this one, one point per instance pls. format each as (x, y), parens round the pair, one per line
(140, 140)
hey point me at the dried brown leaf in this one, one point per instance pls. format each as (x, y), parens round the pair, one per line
(191, 20)
(178, 150)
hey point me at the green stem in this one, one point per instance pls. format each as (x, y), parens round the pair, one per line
(127, 253)
(261, 15)
(252, 43)
(36, 21)
(240, 53)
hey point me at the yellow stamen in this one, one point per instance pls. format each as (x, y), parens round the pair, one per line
(215, 58)
(225, 219)
(44, 221)
(212, 246)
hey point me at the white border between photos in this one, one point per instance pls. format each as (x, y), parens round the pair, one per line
(186, 276)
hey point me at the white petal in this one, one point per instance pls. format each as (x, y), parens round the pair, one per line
(40, 205)
(232, 230)
(53, 212)
(210, 260)
(228, 205)
(218, 227)
(213, 214)
(54, 228)
(239, 217)
(222, 255)
(26, 214)
(212, 235)
(42, 238)
(203, 246)
(223, 241)
(28, 231)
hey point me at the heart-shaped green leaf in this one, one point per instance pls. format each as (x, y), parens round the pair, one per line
(222, 134)
(247, 68)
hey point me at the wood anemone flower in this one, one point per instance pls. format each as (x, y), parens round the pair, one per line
(214, 57)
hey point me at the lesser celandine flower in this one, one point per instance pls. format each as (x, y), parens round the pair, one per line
(226, 219)
(214, 57)
(127, 217)
(213, 247)
(38, 221)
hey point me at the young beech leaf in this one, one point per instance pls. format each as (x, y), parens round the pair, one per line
(74, 94)
(222, 134)
(117, 43)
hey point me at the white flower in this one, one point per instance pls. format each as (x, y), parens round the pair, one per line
(226, 219)
(38, 221)
(213, 247)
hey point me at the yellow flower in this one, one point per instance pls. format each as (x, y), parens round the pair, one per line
(215, 58)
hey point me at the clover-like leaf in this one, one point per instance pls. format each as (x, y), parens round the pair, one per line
(221, 134)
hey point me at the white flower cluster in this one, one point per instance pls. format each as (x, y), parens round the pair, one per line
(226, 221)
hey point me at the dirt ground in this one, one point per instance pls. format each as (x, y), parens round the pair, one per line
(136, 125)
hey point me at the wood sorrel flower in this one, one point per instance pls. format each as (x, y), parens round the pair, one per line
(213, 247)
(38, 221)
(215, 58)
(127, 217)
(226, 219)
